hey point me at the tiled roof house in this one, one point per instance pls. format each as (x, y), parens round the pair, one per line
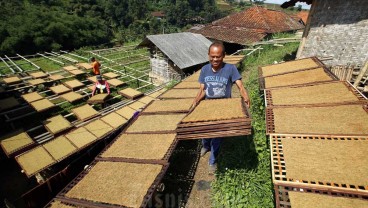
(249, 26)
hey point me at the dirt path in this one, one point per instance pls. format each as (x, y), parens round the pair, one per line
(200, 195)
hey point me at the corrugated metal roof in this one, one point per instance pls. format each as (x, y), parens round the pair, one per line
(184, 49)
(257, 17)
(239, 35)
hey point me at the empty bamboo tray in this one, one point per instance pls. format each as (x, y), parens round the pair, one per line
(332, 120)
(110, 75)
(289, 66)
(56, 77)
(77, 72)
(302, 77)
(70, 68)
(337, 163)
(114, 184)
(314, 95)
(290, 197)
(216, 118)
(36, 81)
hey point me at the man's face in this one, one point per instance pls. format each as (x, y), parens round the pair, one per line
(216, 56)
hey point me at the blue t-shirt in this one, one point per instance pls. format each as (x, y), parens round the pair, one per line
(218, 84)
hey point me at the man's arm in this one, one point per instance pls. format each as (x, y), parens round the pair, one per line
(200, 95)
(94, 89)
(107, 87)
(243, 92)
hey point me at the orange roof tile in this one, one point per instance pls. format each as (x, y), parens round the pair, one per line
(257, 17)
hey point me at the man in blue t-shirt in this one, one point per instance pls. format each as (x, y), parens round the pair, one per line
(216, 80)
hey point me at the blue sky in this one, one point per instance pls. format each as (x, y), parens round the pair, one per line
(304, 5)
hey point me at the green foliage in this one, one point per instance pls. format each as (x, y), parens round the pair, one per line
(244, 177)
(43, 25)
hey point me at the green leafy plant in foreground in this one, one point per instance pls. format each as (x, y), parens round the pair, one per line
(244, 175)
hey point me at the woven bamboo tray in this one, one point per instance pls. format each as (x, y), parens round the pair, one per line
(77, 72)
(81, 137)
(327, 120)
(289, 197)
(85, 112)
(58, 204)
(57, 124)
(187, 85)
(110, 75)
(194, 77)
(335, 163)
(179, 93)
(137, 105)
(126, 112)
(70, 68)
(146, 99)
(234, 59)
(36, 81)
(84, 65)
(8, 103)
(73, 84)
(316, 75)
(168, 106)
(59, 89)
(56, 77)
(99, 128)
(114, 184)
(92, 79)
(289, 66)
(216, 118)
(60, 148)
(71, 96)
(131, 93)
(319, 94)
(12, 80)
(116, 82)
(157, 93)
(15, 142)
(42, 105)
(37, 75)
(134, 146)
(114, 120)
(97, 99)
(33, 96)
(35, 160)
(159, 124)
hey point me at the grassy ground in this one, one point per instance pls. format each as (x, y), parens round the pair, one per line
(244, 175)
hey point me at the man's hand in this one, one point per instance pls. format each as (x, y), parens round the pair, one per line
(194, 104)
(247, 101)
